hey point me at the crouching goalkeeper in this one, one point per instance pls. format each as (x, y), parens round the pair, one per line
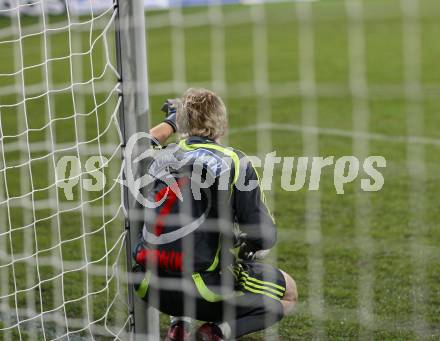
(202, 240)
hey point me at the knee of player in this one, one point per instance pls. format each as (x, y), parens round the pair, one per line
(291, 294)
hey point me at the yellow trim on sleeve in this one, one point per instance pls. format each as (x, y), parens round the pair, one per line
(217, 257)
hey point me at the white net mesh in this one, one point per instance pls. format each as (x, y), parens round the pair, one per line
(328, 78)
(303, 78)
(61, 233)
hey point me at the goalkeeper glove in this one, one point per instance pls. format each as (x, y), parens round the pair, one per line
(170, 109)
(247, 251)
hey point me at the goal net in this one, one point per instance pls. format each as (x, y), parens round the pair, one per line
(319, 79)
(303, 78)
(61, 220)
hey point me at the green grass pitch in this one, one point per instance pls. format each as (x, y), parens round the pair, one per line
(403, 219)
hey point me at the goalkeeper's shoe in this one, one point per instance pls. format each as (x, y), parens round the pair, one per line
(178, 332)
(209, 332)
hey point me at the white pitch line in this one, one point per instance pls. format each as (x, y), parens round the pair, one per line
(337, 132)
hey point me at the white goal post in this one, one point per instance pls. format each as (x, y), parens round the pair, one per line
(73, 88)
(132, 63)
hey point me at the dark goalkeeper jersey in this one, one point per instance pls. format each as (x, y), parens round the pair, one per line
(203, 193)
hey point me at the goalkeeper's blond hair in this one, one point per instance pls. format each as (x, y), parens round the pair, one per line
(201, 113)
